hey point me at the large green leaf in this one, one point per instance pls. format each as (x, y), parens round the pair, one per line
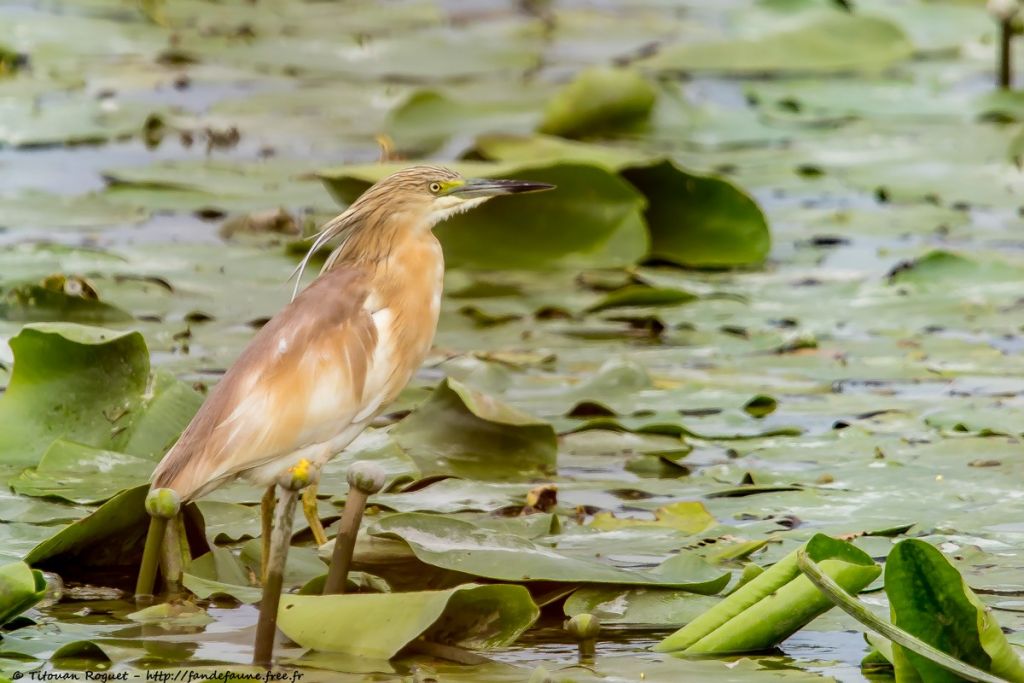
(768, 609)
(80, 474)
(112, 536)
(92, 386)
(922, 584)
(693, 219)
(700, 220)
(20, 588)
(380, 625)
(593, 218)
(833, 41)
(599, 101)
(468, 433)
(464, 547)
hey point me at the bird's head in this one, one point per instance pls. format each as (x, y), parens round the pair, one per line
(433, 193)
(416, 198)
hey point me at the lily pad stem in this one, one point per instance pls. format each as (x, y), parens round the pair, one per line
(1005, 53)
(162, 505)
(844, 601)
(364, 479)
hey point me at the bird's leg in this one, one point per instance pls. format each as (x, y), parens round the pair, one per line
(161, 505)
(312, 515)
(364, 479)
(289, 484)
(266, 524)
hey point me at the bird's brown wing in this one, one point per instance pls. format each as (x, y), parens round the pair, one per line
(299, 382)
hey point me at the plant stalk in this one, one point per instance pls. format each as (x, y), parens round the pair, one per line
(844, 601)
(150, 561)
(1005, 53)
(345, 543)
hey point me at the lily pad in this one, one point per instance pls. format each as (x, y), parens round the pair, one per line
(599, 101)
(20, 588)
(52, 302)
(379, 625)
(700, 221)
(92, 386)
(460, 546)
(468, 433)
(825, 42)
(921, 583)
(80, 474)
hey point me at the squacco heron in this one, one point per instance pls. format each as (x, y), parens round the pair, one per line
(319, 372)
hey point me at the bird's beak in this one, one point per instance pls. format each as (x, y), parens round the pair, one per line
(485, 187)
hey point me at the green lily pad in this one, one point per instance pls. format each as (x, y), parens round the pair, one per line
(92, 386)
(921, 583)
(825, 42)
(379, 625)
(41, 303)
(428, 118)
(34, 209)
(688, 517)
(700, 221)
(112, 536)
(599, 101)
(220, 573)
(80, 474)
(21, 587)
(461, 546)
(693, 219)
(641, 607)
(643, 295)
(468, 433)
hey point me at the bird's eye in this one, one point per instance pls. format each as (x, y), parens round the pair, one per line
(435, 187)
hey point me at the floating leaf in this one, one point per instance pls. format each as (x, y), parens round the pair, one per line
(461, 546)
(20, 588)
(112, 536)
(53, 302)
(599, 101)
(379, 625)
(825, 42)
(80, 474)
(92, 386)
(643, 295)
(700, 221)
(468, 433)
(688, 517)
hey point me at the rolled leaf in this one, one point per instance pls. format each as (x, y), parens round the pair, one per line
(774, 605)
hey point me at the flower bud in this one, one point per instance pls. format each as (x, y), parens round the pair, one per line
(163, 503)
(366, 476)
